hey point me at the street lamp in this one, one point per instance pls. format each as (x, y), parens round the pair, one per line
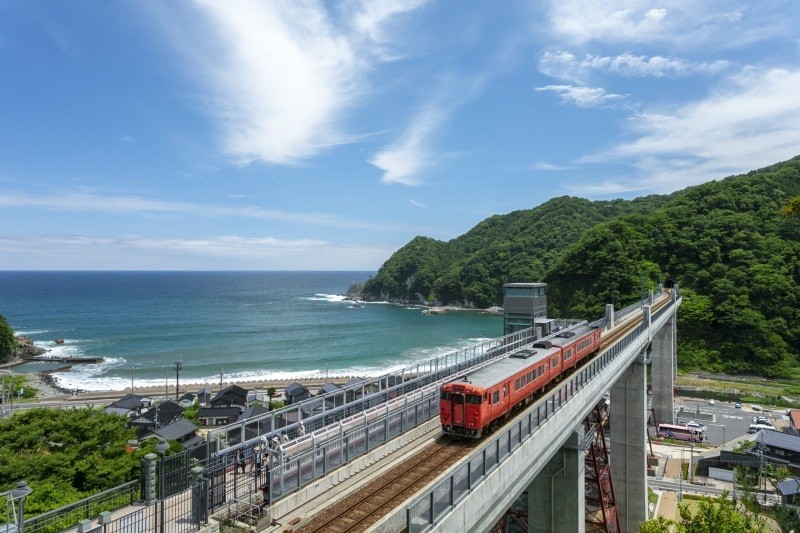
(20, 492)
(177, 365)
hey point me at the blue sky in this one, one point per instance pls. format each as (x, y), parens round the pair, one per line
(301, 135)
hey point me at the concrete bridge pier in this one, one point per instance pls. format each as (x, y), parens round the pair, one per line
(662, 372)
(556, 497)
(628, 445)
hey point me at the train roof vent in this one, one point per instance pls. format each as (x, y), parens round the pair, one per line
(543, 344)
(566, 334)
(523, 354)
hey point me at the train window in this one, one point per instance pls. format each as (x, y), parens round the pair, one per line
(555, 361)
(458, 399)
(474, 398)
(496, 396)
(446, 396)
(516, 384)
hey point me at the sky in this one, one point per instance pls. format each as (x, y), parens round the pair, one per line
(305, 135)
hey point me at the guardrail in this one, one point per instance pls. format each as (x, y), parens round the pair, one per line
(69, 515)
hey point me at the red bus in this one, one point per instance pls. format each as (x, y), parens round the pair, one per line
(692, 434)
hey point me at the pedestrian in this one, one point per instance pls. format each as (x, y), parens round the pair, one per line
(284, 437)
(257, 458)
(240, 462)
(275, 442)
(301, 430)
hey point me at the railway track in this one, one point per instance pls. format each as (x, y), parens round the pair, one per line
(366, 506)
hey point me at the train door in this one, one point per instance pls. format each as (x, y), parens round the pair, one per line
(458, 406)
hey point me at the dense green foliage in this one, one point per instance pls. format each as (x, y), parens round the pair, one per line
(8, 344)
(732, 245)
(17, 386)
(66, 455)
(471, 269)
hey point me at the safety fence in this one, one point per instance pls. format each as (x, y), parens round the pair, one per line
(429, 508)
(70, 515)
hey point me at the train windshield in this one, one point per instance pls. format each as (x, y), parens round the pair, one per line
(458, 398)
(474, 398)
(446, 395)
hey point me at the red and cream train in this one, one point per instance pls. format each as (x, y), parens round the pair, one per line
(477, 402)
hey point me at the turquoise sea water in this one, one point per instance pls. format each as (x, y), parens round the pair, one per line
(247, 325)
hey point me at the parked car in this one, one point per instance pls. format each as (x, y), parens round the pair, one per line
(738, 405)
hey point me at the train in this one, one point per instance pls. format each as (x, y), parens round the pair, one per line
(476, 403)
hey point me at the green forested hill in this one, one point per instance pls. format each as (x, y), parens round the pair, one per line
(471, 269)
(726, 243)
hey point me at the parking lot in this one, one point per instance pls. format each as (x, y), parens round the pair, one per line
(722, 419)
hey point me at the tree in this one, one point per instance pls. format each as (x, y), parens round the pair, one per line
(792, 207)
(271, 392)
(8, 344)
(714, 515)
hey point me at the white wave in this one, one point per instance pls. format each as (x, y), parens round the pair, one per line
(321, 297)
(31, 332)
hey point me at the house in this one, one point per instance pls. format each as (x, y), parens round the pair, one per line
(794, 421)
(159, 416)
(187, 400)
(333, 399)
(778, 447)
(789, 489)
(130, 405)
(204, 395)
(296, 393)
(252, 411)
(218, 416)
(181, 430)
(355, 388)
(230, 396)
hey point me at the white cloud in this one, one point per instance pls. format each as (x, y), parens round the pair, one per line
(403, 161)
(567, 66)
(215, 252)
(89, 202)
(583, 96)
(681, 24)
(282, 74)
(751, 122)
(417, 204)
(548, 166)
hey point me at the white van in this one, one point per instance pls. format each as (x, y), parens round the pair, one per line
(755, 428)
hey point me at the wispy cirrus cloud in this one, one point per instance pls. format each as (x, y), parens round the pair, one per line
(403, 161)
(132, 204)
(680, 23)
(583, 96)
(565, 65)
(279, 76)
(417, 204)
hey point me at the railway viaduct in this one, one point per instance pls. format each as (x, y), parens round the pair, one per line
(550, 466)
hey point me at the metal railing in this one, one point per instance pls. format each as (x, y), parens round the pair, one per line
(70, 515)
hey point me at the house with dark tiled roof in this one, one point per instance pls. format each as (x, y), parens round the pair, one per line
(159, 416)
(130, 405)
(187, 399)
(296, 393)
(181, 430)
(333, 399)
(218, 416)
(355, 388)
(789, 490)
(230, 396)
(779, 447)
(252, 411)
(204, 395)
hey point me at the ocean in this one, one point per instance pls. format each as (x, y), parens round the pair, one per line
(244, 325)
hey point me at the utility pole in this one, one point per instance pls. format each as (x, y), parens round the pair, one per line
(220, 377)
(177, 365)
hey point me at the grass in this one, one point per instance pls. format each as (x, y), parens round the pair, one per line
(746, 389)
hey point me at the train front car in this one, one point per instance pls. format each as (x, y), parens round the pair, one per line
(461, 408)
